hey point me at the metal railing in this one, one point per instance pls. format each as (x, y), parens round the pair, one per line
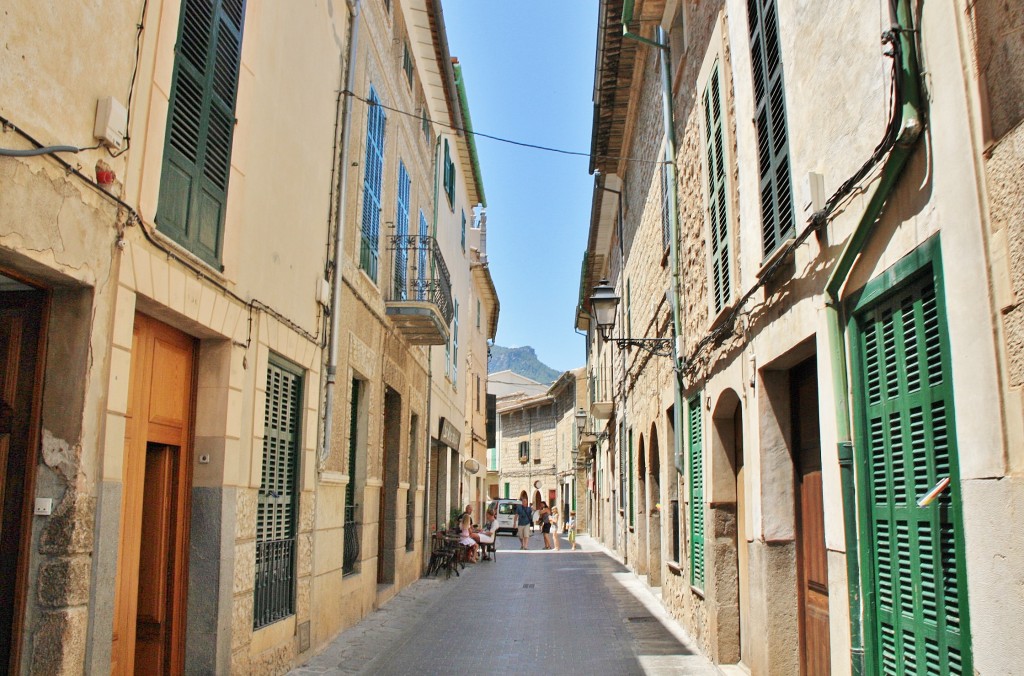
(420, 273)
(275, 581)
(351, 548)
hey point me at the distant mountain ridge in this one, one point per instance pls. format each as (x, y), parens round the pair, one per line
(521, 360)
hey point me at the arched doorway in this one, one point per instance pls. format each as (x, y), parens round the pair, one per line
(729, 524)
(654, 509)
(642, 510)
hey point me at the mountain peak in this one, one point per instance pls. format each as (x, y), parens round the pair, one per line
(521, 360)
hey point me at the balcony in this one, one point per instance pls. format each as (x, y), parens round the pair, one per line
(420, 298)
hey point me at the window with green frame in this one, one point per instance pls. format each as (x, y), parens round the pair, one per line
(200, 126)
(449, 175)
(718, 209)
(407, 61)
(455, 347)
(463, 230)
(401, 271)
(277, 496)
(696, 447)
(373, 184)
(777, 219)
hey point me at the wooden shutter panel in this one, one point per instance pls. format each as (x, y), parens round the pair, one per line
(200, 126)
(696, 494)
(777, 218)
(718, 222)
(916, 563)
(277, 498)
(373, 184)
(401, 233)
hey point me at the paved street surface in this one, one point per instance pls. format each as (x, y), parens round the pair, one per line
(538, 611)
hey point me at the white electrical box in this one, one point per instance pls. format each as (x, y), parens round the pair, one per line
(323, 292)
(111, 122)
(43, 507)
(813, 197)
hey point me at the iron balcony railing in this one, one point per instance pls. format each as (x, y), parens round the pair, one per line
(420, 273)
(351, 547)
(275, 581)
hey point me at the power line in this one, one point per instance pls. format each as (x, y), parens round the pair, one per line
(521, 144)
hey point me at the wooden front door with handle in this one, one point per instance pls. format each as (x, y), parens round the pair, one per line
(149, 621)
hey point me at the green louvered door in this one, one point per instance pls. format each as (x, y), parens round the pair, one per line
(696, 439)
(915, 582)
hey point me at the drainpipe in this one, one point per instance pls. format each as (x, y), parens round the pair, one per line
(339, 232)
(673, 221)
(910, 130)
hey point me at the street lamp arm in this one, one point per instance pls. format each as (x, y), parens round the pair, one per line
(661, 347)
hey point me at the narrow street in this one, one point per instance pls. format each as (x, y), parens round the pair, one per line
(527, 612)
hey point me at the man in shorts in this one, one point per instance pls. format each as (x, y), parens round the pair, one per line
(522, 519)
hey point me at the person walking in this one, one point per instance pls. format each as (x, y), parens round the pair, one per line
(522, 519)
(545, 523)
(556, 528)
(571, 527)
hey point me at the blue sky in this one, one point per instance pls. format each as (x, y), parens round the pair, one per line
(529, 74)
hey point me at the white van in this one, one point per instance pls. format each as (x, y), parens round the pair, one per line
(505, 508)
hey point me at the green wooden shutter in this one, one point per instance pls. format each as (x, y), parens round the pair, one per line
(277, 497)
(629, 480)
(696, 493)
(373, 186)
(401, 271)
(770, 120)
(714, 149)
(200, 126)
(914, 562)
(455, 348)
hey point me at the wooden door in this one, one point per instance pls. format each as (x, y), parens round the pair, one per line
(149, 616)
(21, 340)
(812, 558)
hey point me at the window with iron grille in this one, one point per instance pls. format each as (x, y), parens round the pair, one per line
(277, 497)
(696, 493)
(200, 126)
(718, 211)
(373, 183)
(402, 231)
(524, 452)
(777, 220)
(414, 474)
(449, 175)
(350, 554)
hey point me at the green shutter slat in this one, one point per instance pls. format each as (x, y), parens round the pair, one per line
(777, 213)
(696, 440)
(914, 555)
(200, 125)
(277, 498)
(630, 481)
(718, 214)
(373, 184)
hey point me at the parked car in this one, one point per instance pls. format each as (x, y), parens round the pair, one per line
(505, 508)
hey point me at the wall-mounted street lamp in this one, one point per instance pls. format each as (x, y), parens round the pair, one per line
(604, 303)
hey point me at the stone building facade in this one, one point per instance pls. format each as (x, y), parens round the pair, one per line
(194, 270)
(836, 307)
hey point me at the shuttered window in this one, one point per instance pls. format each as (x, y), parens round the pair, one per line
(718, 212)
(449, 175)
(350, 554)
(401, 272)
(373, 183)
(463, 231)
(915, 560)
(278, 497)
(770, 119)
(200, 125)
(696, 441)
(524, 452)
(630, 481)
(455, 348)
(421, 262)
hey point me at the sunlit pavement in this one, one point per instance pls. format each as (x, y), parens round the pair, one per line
(536, 611)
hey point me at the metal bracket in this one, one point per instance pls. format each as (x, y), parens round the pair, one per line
(661, 347)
